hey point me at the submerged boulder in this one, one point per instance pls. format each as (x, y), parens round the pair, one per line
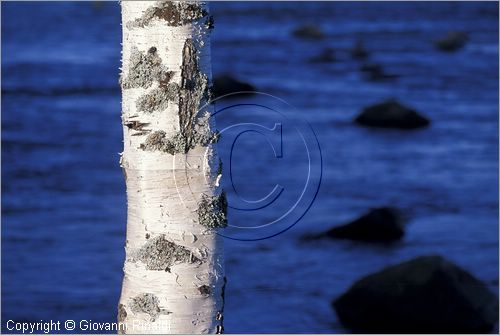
(383, 224)
(375, 72)
(326, 56)
(391, 114)
(425, 295)
(359, 51)
(453, 41)
(309, 32)
(226, 84)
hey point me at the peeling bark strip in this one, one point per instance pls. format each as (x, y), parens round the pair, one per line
(159, 254)
(147, 303)
(209, 23)
(193, 85)
(219, 167)
(220, 314)
(193, 90)
(144, 69)
(212, 211)
(174, 13)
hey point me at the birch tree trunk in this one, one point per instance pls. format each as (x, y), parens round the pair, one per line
(173, 273)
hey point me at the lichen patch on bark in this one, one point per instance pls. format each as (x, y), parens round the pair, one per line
(147, 303)
(158, 98)
(158, 141)
(212, 211)
(175, 13)
(144, 69)
(160, 254)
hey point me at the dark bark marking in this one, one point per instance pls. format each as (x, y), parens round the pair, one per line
(136, 125)
(220, 315)
(205, 290)
(122, 313)
(209, 23)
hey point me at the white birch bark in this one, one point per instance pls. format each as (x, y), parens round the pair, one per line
(173, 273)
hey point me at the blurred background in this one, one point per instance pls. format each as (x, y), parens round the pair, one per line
(63, 192)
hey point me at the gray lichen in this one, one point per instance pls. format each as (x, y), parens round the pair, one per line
(144, 69)
(160, 254)
(147, 303)
(212, 211)
(158, 141)
(158, 98)
(174, 13)
(205, 138)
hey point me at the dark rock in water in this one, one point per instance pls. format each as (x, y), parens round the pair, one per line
(226, 84)
(359, 51)
(309, 32)
(326, 56)
(376, 72)
(383, 224)
(371, 67)
(391, 114)
(453, 41)
(425, 295)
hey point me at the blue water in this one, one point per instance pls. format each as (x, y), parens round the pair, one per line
(63, 193)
